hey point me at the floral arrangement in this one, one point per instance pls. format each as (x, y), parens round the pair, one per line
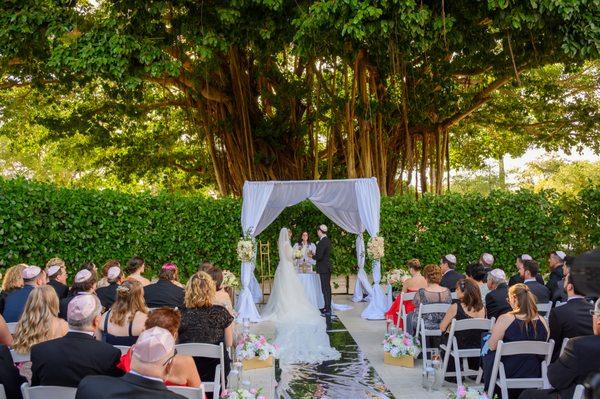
(230, 279)
(246, 249)
(241, 393)
(400, 345)
(298, 254)
(396, 278)
(251, 346)
(467, 393)
(375, 248)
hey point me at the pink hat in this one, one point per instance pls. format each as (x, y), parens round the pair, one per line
(488, 258)
(169, 266)
(153, 345)
(81, 307)
(30, 272)
(82, 275)
(113, 273)
(52, 270)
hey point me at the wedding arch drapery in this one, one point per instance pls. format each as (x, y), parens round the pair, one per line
(353, 205)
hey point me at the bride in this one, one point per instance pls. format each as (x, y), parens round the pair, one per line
(300, 329)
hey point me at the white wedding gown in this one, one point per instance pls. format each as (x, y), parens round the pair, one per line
(301, 332)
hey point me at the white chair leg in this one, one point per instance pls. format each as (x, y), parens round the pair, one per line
(502, 382)
(457, 367)
(479, 376)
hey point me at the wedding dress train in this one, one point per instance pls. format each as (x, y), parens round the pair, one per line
(301, 332)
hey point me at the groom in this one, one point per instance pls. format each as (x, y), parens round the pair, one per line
(324, 266)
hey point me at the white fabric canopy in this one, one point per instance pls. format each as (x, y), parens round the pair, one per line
(353, 205)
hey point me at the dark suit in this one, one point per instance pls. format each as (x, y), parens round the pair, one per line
(450, 279)
(553, 286)
(61, 289)
(540, 291)
(517, 279)
(9, 375)
(126, 387)
(324, 270)
(15, 303)
(65, 361)
(580, 358)
(496, 303)
(63, 307)
(163, 293)
(108, 295)
(573, 319)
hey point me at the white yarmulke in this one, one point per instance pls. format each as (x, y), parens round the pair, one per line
(450, 258)
(153, 345)
(498, 274)
(526, 257)
(488, 258)
(52, 270)
(561, 255)
(30, 272)
(113, 272)
(323, 228)
(82, 275)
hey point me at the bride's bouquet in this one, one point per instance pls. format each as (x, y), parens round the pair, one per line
(298, 254)
(246, 249)
(252, 346)
(230, 280)
(467, 393)
(375, 248)
(241, 393)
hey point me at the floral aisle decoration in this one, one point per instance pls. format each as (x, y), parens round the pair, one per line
(467, 393)
(375, 248)
(395, 278)
(241, 393)
(400, 349)
(230, 280)
(246, 250)
(255, 351)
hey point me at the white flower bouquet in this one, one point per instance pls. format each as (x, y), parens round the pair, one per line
(375, 248)
(396, 278)
(400, 345)
(467, 393)
(230, 279)
(246, 249)
(242, 393)
(298, 254)
(255, 346)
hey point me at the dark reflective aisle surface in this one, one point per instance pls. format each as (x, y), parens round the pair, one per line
(350, 377)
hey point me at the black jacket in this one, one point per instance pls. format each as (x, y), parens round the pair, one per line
(573, 319)
(450, 279)
(580, 358)
(517, 279)
(163, 293)
(108, 295)
(553, 286)
(65, 361)
(126, 387)
(9, 375)
(61, 289)
(496, 303)
(322, 256)
(540, 291)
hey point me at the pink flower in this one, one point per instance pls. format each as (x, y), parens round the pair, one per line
(261, 397)
(406, 341)
(461, 391)
(225, 393)
(253, 391)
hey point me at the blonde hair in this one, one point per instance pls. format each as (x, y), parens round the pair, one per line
(13, 278)
(55, 262)
(200, 291)
(130, 300)
(35, 324)
(526, 305)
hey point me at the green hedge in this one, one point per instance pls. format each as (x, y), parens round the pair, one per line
(39, 221)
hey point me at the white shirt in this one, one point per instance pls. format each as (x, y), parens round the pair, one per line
(530, 279)
(145, 376)
(575, 297)
(90, 333)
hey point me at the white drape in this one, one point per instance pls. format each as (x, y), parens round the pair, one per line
(369, 207)
(362, 285)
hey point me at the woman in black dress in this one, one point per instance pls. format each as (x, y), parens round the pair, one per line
(203, 322)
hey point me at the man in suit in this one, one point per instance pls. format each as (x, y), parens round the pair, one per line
(528, 271)
(572, 319)
(15, 301)
(324, 266)
(580, 358)
(556, 261)
(496, 302)
(108, 294)
(517, 279)
(65, 361)
(84, 282)
(9, 374)
(165, 292)
(151, 361)
(57, 276)
(449, 276)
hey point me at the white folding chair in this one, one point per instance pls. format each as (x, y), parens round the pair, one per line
(579, 392)
(2, 392)
(188, 392)
(544, 309)
(423, 332)
(498, 376)
(563, 345)
(452, 348)
(557, 304)
(454, 295)
(12, 327)
(19, 358)
(210, 351)
(47, 392)
(404, 296)
(123, 348)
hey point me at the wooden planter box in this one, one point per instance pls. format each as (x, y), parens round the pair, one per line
(256, 363)
(402, 361)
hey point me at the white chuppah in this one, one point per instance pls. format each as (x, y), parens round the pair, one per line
(354, 205)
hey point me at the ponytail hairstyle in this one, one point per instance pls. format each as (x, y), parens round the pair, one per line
(200, 291)
(525, 305)
(130, 300)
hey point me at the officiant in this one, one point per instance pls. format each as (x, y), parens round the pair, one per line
(304, 250)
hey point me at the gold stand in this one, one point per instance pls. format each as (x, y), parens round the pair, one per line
(266, 277)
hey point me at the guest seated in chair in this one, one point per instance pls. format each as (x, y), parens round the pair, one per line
(108, 293)
(221, 296)
(65, 361)
(478, 273)
(124, 322)
(56, 271)
(580, 358)
(449, 276)
(103, 282)
(10, 378)
(12, 281)
(529, 271)
(166, 291)
(183, 372)
(14, 303)
(84, 283)
(413, 284)
(517, 278)
(523, 323)
(134, 269)
(433, 293)
(496, 301)
(151, 362)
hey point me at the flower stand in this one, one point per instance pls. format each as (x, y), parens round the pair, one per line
(402, 360)
(256, 363)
